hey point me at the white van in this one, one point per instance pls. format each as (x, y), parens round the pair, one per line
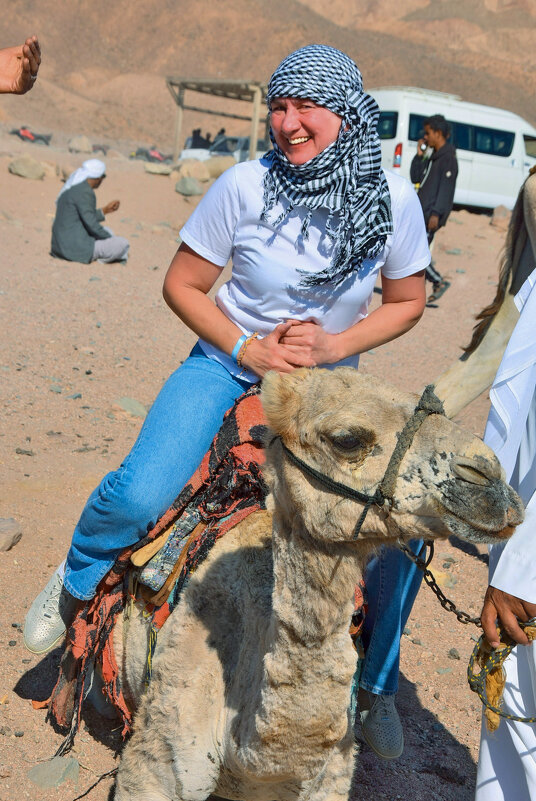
(495, 148)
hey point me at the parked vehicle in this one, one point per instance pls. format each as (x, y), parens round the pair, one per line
(236, 146)
(495, 148)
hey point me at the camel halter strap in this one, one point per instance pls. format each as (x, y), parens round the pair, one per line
(382, 497)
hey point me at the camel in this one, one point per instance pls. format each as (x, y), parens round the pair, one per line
(252, 673)
(474, 372)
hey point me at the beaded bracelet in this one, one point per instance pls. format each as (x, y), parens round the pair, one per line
(239, 342)
(242, 350)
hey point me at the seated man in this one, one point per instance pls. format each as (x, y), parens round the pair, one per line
(77, 233)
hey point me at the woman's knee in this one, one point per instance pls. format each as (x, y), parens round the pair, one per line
(122, 504)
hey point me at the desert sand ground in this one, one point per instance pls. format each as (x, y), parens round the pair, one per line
(79, 338)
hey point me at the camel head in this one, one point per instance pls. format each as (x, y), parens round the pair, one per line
(345, 425)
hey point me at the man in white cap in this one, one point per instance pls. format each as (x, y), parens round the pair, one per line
(77, 233)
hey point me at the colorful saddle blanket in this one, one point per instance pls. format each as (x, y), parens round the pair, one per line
(227, 486)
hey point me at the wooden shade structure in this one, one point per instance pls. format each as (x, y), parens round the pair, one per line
(248, 91)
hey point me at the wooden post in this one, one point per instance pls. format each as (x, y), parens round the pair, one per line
(178, 124)
(257, 98)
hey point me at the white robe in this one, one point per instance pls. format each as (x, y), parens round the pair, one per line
(507, 763)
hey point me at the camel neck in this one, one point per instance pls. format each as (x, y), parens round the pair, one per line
(309, 658)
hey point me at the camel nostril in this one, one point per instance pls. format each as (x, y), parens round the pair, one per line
(469, 470)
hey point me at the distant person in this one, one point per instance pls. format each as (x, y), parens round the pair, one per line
(435, 177)
(77, 233)
(19, 67)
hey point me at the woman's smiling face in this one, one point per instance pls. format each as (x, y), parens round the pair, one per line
(302, 129)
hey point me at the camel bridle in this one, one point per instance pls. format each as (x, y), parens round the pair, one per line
(383, 496)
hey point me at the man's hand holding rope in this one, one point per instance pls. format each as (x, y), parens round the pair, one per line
(509, 609)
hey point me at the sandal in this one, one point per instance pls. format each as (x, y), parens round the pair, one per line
(439, 289)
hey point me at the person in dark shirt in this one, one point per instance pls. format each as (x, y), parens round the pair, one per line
(77, 233)
(434, 175)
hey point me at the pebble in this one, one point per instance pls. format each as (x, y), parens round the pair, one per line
(74, 396)
(55, 388)
(10, 533)
(406, 630)
(453, 654)
(94, 278)
(437, 696)
(18, 733)
(54, 772)
(443, 670)
(12, 643)
(459, 270)
(454, 251)
(24, 452)
(132, 406)
(416, 641)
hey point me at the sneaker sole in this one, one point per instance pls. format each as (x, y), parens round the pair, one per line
(56, 642)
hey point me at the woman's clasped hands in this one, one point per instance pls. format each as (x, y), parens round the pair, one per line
(292, 344)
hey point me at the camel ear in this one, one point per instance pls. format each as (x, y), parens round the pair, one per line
(281, 396)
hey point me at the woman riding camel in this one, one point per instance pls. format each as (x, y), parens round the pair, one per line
(308, 229)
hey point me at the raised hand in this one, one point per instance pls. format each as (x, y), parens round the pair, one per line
(113, 205)
(19, 66)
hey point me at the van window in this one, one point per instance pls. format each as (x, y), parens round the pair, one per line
(496, 143)
(469, 137)
(387, 124)
(530, 145)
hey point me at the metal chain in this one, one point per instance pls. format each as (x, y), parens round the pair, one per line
(429, 578)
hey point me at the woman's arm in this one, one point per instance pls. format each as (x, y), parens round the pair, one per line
(188, 280)
(403, 302)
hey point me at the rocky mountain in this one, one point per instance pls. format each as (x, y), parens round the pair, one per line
(105, 63)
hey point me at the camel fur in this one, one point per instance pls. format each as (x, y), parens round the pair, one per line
(252, 673)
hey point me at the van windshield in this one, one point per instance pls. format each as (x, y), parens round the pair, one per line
(387, 124)
(469, 137)
(530, 145)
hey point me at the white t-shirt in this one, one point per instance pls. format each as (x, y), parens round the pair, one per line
(268, 263)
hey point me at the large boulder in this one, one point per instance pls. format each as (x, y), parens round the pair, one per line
(501, 218)
(188, 186)
(80, 144)
(218, 164)
(27, 167)
(157, 169)
(193, 168)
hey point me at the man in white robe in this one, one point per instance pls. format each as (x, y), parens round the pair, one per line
(507, 763)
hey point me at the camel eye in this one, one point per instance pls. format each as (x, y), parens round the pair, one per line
(348, 441)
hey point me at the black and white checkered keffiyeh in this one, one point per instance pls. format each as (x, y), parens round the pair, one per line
(346, 178)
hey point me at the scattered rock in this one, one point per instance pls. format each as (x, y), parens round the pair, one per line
(132, 406)
(74, 396)
(157, 169)
(80, 144)
(193, 168)
(54, 772)
(55, 388)
(454, 251)
(443, 670)
(27, 167)
(5, 772)
(453, 654)
(437, 696)
(500, 218)
(24, 452)
(188, 186)
(10, 533)
(218, 164)
(416, 641)
(18, 733)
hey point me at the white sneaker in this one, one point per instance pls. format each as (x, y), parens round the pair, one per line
(381, 724)
(48, 617)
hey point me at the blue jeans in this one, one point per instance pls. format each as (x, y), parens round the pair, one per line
(175, 436)
(392, 583)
